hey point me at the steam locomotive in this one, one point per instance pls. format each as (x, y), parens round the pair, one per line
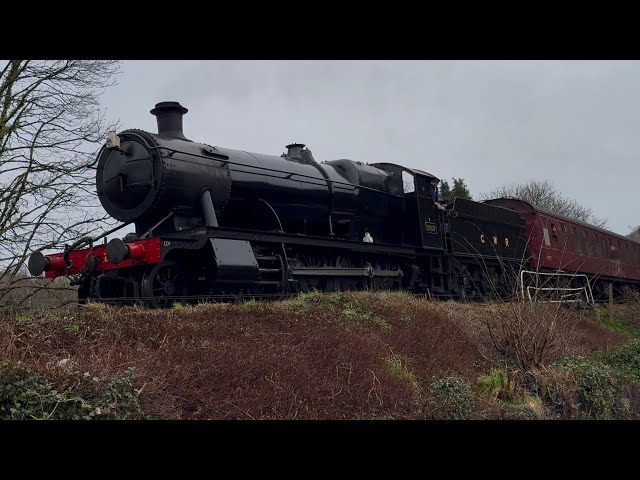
(213, 221)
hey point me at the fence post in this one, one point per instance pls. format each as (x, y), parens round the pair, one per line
(610, 294)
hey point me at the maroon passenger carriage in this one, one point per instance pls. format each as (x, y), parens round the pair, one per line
(558, 244)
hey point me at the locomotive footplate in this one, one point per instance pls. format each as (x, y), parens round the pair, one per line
(344, 272)
(195, 239)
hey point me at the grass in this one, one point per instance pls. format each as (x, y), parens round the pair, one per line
(342, 355)
(625, 359)
(397, 367)
(614, 321)
(495, 384)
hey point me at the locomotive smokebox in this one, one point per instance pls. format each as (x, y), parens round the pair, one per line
(150, 176)
(169, 116)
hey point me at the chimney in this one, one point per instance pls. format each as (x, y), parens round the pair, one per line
(169, 116)
(294, 151)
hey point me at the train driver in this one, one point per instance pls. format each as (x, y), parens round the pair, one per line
(434, 194)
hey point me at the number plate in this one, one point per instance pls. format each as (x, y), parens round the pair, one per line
(431, 228)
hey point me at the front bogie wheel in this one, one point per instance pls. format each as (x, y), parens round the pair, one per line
(164, 284)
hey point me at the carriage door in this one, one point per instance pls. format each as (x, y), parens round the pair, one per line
(431, 219)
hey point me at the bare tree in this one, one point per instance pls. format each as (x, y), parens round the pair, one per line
(50, 128)
(635, 233)
(544, 194)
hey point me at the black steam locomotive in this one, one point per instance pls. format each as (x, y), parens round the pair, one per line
(213, 221)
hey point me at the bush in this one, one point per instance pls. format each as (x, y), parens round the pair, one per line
(531, 334)
(625, 359)
(454, 398)
(580, 388)
(26, 394)
(518, 411)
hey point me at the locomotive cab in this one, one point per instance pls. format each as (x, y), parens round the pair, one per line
(423, 223)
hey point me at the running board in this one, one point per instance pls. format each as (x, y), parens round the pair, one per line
(343, 272)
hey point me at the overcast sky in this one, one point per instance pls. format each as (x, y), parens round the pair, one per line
(576, 123)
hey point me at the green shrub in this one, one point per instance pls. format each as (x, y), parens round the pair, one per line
(454, 397)
(26, 394)
(584, 389)
(518, 411)
(625, 359)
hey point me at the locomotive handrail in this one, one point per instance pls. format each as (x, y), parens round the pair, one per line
(85, 241)
(273, 211)
(227, 161)
(148, 232)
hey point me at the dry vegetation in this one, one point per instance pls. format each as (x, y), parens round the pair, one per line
(320, 356)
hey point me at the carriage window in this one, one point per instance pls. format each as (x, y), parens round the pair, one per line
(408, 183)
(545, 231)
(564, 227)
